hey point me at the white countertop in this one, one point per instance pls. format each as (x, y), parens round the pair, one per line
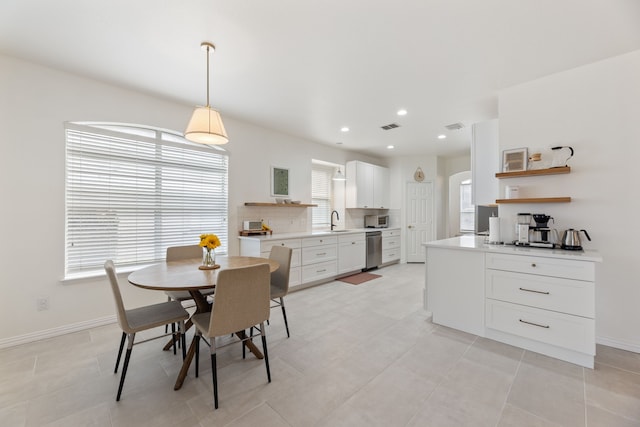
(478, 243)
(302, 234)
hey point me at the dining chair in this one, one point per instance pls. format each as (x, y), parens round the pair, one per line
(176, 253)
(242, 301)
(140, 319)
(280, 278)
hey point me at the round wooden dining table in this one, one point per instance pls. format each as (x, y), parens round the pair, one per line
(184, 275)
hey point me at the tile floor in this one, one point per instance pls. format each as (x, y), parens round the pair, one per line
(362, 355)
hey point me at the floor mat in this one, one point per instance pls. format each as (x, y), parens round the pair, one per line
(358, 278)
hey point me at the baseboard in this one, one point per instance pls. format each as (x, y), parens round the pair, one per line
(622, 345)
(54, 332)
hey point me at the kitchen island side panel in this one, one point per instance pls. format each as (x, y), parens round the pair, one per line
(455, 288)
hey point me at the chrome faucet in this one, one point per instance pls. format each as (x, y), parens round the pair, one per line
(337, 219)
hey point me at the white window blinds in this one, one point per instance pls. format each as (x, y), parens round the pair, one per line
(129, 196)
(321, 195)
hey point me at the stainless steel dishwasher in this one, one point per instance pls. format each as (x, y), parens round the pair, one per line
(374, 249)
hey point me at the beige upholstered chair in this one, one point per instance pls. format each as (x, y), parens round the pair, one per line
(176, 253)
(140, 319)
(242, 301)
(280, 278)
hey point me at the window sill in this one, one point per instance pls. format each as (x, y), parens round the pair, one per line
(97, 274)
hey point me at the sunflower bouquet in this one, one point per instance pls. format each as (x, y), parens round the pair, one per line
(209, 242)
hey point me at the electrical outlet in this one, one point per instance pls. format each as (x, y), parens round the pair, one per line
(43, 303)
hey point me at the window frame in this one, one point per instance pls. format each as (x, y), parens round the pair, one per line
(174, 204)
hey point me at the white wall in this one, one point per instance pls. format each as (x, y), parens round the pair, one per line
(35, 101)
(594, 109)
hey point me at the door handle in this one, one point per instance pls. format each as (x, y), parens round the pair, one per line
(410, 226)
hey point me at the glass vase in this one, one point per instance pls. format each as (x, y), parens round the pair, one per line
(208, 257)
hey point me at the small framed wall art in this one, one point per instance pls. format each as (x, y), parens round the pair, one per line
(514, 160)
(279, 181)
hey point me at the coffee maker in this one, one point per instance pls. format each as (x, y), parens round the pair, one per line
(523, 223)
(541, 235)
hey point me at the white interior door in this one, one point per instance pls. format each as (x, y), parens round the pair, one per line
(420, 224)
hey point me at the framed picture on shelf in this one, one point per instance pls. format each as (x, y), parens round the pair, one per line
(514, 160)
(279, 181)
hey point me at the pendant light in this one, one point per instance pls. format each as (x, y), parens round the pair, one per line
(339, 176)
(205, 126)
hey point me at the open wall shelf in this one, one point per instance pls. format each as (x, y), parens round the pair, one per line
(534, 172)
(280, 205)
(535, 200)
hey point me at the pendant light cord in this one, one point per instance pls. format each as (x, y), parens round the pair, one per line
(208, 47)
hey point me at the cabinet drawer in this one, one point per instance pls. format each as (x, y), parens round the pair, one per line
(294, 276)
(265, 245)
(562, 330)
(563, 295)
(319, 254)
(349, 238)
(295, 257)
(389, 255)
(569, 269)
(390, 242)
(311, 273)
(320, 240)
(391, 233)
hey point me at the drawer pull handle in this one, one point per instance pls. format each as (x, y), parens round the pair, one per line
(533, 290)
(321, 254)
(534, 324)
(533, 264)
(321, 271)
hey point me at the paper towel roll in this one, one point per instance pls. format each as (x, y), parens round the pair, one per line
(494, 229)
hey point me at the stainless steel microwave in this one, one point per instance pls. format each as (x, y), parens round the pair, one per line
(376, 221)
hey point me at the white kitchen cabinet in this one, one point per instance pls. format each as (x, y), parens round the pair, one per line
(455, 288)
(537, 299)
(351, 253)
(390, 245)
(543, 304)
(319, 258)
(262, 248)
(367, 186)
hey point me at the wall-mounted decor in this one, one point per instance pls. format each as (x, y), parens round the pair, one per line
(514, 160)
(279, 181)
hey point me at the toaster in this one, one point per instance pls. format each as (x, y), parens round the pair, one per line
(252, 225)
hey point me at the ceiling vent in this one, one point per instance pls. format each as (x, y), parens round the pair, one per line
(455, 126)
(390, 126)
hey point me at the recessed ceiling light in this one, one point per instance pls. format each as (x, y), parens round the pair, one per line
(442, 136)
(402, 112)
(344, 129)
(390, 147)
(338, 143)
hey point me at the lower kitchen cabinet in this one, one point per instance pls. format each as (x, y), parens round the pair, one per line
(390, 246)
(540, 300)
(455, 289)
(262, 248)
(351, 252)
(547, 305)
(319, 258)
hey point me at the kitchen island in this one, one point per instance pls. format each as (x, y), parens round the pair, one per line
(539, 299)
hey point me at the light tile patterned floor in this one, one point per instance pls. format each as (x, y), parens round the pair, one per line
(363, 355)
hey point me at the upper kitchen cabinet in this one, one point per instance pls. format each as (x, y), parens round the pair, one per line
(367, 186)
(485, 160)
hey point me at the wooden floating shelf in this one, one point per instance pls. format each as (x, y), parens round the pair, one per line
(535, 200)
(535, 172)
(280, 205)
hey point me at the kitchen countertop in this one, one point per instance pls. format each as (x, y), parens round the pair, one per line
(302, 234)
(478, 243)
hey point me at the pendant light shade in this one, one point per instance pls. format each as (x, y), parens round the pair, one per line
(339, 176)
(205, 126)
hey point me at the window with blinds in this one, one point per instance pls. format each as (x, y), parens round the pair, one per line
(321, 195)
(133, 191)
